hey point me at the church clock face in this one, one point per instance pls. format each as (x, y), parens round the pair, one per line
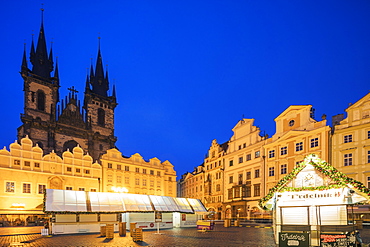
(308, 180)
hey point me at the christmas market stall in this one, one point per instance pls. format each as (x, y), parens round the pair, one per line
(313, 205)
(82, 211)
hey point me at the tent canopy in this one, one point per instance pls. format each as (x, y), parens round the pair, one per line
(65, 201)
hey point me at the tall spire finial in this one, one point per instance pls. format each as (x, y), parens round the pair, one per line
(42, 14)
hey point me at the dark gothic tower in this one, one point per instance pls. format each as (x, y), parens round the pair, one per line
(99, 108)
(40, 94)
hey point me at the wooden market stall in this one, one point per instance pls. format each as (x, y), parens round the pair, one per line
(82, 211)
(312, 205)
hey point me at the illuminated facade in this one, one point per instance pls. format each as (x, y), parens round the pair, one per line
(297, 135)
(26, 173)
(136, 176)
(191, 184)
(351, 142)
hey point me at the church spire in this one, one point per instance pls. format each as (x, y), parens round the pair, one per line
(42, 64)
(24, 67)
(98, 80)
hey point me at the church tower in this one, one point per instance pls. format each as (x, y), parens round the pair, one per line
(40, 94)
(99, 108)
(60, 125)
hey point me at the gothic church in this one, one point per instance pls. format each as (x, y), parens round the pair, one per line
(56, 124)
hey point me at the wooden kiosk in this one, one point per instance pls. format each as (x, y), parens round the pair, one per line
(312, 205)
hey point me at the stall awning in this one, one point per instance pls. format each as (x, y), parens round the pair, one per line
(64, 201)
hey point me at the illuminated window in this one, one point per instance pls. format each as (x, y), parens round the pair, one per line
(10, 187)
(257, 154)
(271, 171)
(119, 167)
(347, 138)
(68, 188)
(271, 153)
(348, 159)
(284, 150)
(27, 163)
(41, 188)
(299, 146)
(248, 157)
(283, 169)
(26, 188)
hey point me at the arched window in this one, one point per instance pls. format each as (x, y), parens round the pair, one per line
(69, 145)
(40, 100)
(101, 117)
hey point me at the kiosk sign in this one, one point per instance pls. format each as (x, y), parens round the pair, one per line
(288, 239)
(334, 240)
(158, 216)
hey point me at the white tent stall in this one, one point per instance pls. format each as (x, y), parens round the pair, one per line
(81, 211)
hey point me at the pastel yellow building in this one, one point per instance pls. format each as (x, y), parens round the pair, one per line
(26, 173)
(297, 135)
(137, 176)
(351, 142)
(191, 184)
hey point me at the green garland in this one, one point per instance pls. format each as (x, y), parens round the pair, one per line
(340, 180)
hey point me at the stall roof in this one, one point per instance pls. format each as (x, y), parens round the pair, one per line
(64, 201)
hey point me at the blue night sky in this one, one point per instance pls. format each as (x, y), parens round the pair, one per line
(187, 71)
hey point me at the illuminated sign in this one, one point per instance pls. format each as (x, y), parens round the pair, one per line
(18, 205)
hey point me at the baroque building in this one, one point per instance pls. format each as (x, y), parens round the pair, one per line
(61, 124)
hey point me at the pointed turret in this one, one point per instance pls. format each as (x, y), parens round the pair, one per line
(24, 67)
(42, 65)
(99, 82)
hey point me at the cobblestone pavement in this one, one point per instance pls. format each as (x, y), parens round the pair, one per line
(255, 236)
(232, 236)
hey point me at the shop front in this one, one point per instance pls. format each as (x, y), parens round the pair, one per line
(313, 205)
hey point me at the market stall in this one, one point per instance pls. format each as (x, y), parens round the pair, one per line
(312, 205)
(82, 211)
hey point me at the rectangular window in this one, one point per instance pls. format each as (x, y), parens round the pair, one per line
(368, 156)
(271, 153)
(27, 163)
(257, 173)
(257, 154)
(81, 189)
(151, 172)
(26, 188)
(230, 193)
(110, 165)
(93, 190)
(78, 170)
(158, 184)
(248, 176)
(299, 146)
(231, 179)
(110, 178)
(158, 174)
(283, 169)
(240, 160)
(151, 183)
(237, 192)
(137, 181)
(41, 188)
(231, 163)
(127, 168)
(283, 150)
(347, 138)
(137, 169)
(10, 187)
(348, 159)
(271, 171)
(119, 167)
(248, 191)
(37, 165)
(368, 182)
(17, 162)
(87, 171)
(144, 182)
(68, 188)
(368, 134)
(69, 169)
(248, 157)
(240, 178)
(314, 142)
(257, 190)
(144, 171)
(119, 179)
